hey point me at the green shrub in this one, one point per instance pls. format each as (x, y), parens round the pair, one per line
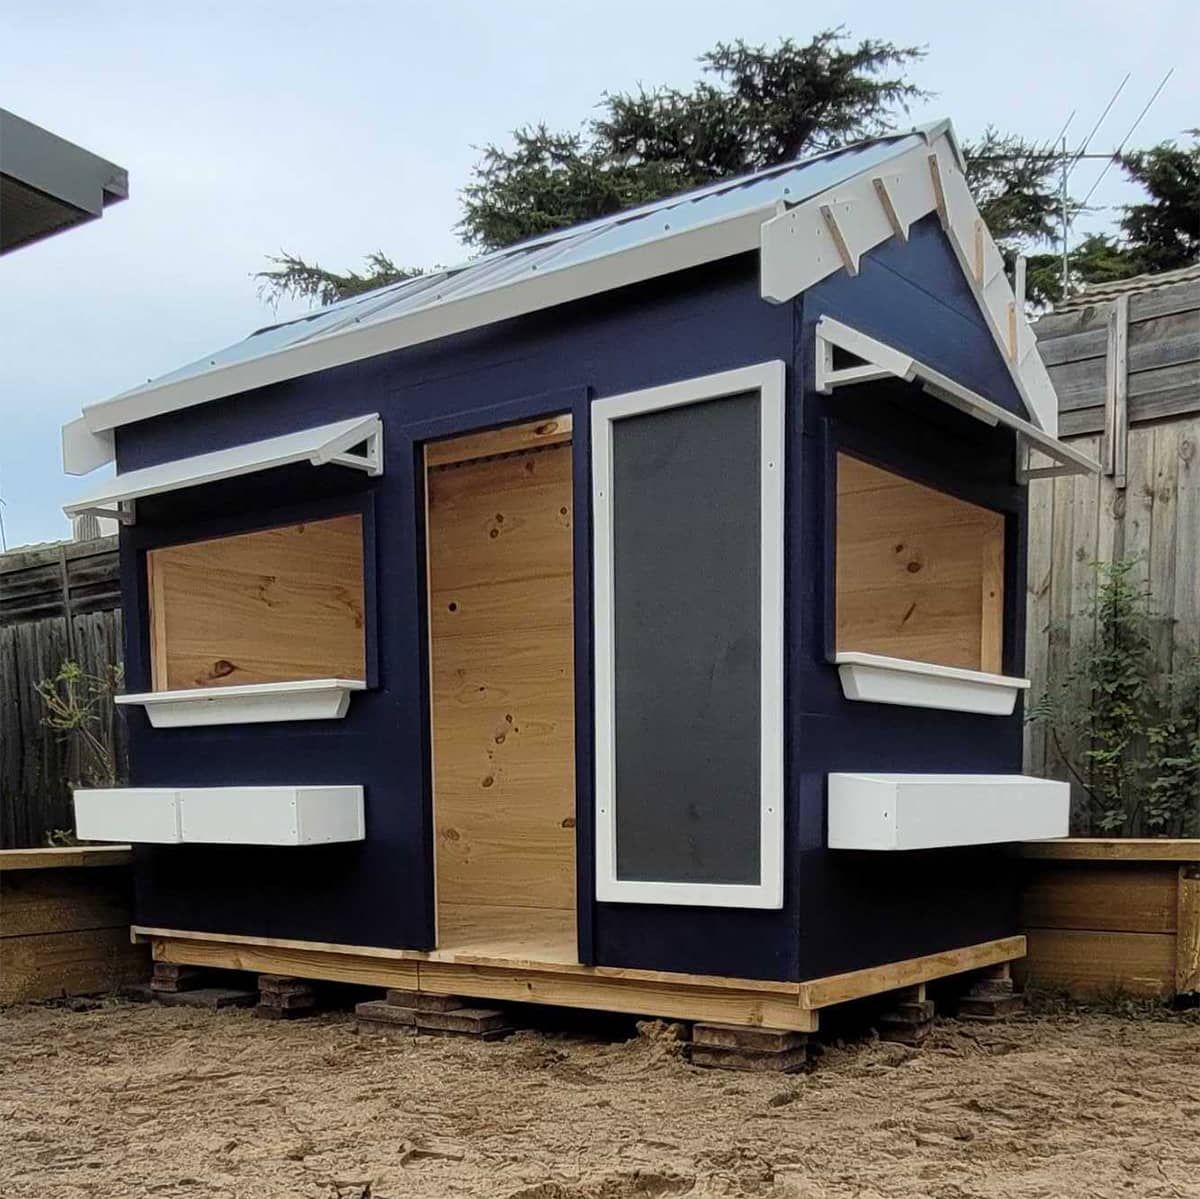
(1127, 731)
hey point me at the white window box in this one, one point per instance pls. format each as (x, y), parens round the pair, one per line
(249, 703)
(930, 811)
(877, 679)
(220, 815)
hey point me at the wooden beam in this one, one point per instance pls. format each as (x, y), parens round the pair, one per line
(978, 255)
(1128, 849)
(146, 933)
(638, 992)
(1117, 383)
(1187, 935)
(841, 988)
(889, 208)
(1100, 963)
(839, 239)
(57, 859)
(939, 191)
(510, 439)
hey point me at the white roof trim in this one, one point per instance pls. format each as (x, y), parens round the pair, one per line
(860, 212)
(665, 255)
(324, 445)
(832, 231)
(881, 361)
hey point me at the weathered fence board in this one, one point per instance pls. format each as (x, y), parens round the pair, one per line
(56, 603)
(1145, 506)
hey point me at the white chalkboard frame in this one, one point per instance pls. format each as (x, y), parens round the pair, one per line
(769, 380)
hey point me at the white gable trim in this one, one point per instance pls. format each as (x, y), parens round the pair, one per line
(881, 361)
(831, 232)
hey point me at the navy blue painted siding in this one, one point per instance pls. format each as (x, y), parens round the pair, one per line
(856, 909)
(840, 910)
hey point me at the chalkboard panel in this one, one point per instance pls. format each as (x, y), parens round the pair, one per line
(686, 540)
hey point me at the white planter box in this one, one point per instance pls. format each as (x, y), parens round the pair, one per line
(149, 815)
(877, 679)
(249, 703)
(221, 815)
(929, 811)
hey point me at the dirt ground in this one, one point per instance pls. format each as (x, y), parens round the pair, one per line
(131, 1100)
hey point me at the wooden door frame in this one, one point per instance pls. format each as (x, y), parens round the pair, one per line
(409, 442)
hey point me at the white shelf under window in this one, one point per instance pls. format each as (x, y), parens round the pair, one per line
(247, 703)
(875, 678)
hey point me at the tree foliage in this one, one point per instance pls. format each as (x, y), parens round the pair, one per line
(289, 275)
(754, 107)
(1164, 232)
(1128, 735)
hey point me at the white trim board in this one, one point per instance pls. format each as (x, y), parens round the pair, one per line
(877, 678)
(768, 379)
(879, 811)
(246, 703)
(881, 361)
(321, 446)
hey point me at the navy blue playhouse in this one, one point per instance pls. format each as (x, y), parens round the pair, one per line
(631, 618)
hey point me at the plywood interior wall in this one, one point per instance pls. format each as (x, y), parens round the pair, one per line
(920, 574)
(278, 605)
(502, 705)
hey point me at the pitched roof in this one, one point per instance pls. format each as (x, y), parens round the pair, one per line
(808, 218)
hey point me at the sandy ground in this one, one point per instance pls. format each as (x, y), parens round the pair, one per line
(128, 1100)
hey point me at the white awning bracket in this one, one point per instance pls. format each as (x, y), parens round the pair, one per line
(876, 360)
(355, 443)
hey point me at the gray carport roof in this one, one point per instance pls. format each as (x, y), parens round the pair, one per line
(48, 184)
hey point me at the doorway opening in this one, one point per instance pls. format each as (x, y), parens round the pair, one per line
(502, 691)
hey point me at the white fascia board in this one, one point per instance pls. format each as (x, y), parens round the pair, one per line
(326, 444)
(800, 248)
(84, 451)
(888, 359)
(664, 255)
(892, 812)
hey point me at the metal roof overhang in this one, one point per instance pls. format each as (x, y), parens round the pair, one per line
(325, 445)
(48, 184)
(877, 360)
(807, 219)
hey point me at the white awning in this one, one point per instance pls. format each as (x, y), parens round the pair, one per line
(326, 445)
(876, 360)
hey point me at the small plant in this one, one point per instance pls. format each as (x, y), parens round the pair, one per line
(1128, 733)
(79, 705)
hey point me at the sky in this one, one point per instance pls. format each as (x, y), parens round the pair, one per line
(334, 129)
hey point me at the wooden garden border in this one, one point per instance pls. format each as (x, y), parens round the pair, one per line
(1113, 916)
(64, 922)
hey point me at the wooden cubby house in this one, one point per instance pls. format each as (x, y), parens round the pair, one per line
(629, 619)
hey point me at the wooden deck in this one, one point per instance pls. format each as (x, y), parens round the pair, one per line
(511, 971)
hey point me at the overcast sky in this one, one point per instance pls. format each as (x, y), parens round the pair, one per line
(332, 129)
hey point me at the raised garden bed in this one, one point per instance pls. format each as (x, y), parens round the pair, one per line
(64, 922)
(1106, 917)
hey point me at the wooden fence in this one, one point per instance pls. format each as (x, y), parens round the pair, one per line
(1127, 374)
(57, 602)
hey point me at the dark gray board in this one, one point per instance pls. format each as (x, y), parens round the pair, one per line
(687, 636)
